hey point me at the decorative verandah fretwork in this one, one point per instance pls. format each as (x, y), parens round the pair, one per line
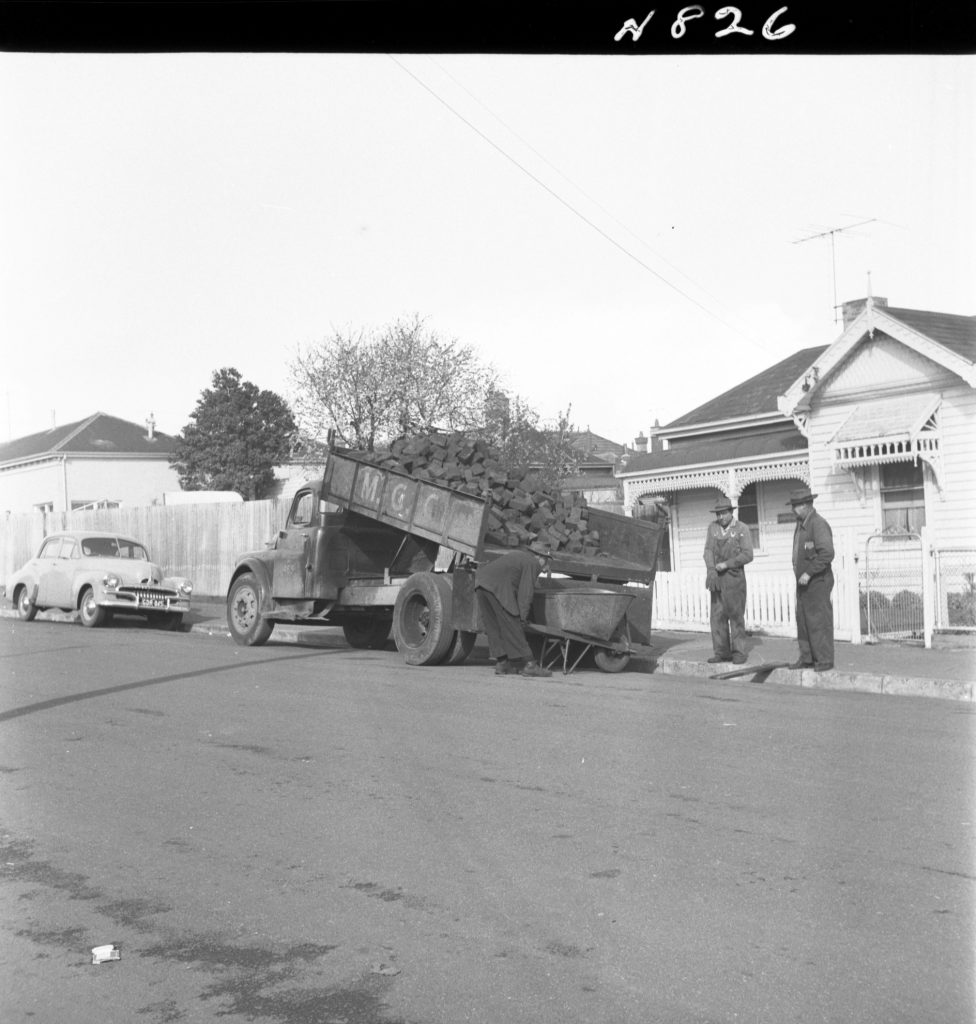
(902, 442)
(730, 480)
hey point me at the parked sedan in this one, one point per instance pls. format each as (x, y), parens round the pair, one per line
(99, 575)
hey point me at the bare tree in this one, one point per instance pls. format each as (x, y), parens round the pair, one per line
(513, 428)
(374, 385)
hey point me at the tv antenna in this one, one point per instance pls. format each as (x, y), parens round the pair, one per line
(833, 255)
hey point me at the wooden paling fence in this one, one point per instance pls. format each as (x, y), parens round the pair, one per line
(201, 542)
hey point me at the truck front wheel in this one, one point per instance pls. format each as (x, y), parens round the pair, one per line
(244, 612)
(366, 633)
(422, 619)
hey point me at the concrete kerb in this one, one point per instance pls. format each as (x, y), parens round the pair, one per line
(860, 682)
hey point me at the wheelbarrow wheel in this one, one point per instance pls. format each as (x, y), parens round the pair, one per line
(422, 619)
(610, 661)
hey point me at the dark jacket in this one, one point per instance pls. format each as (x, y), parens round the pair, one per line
(511, 579)
(813, 546)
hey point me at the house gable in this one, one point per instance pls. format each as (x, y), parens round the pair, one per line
(951, 347)
(882, 366)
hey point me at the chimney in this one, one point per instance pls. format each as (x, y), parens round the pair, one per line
(853, 309)
(640, 444)
(657, 445)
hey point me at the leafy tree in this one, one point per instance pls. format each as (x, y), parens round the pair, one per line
(374, 385)
(237, 436)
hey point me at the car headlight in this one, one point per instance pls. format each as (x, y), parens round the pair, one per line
(111, 582)
(186, 587)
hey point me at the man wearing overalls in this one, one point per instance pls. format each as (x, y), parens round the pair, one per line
(728, 548)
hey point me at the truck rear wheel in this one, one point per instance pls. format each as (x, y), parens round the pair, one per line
(461, 646)
(244, 612)
(367, 633)
(422, 619)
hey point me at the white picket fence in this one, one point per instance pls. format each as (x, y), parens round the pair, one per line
(681, 601)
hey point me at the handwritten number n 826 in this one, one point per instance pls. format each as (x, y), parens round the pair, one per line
(679, 26)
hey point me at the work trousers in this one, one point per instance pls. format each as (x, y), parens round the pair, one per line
(506, 638)
(815, 620)
(728, 617)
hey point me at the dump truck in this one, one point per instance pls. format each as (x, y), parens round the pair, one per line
(377, 551)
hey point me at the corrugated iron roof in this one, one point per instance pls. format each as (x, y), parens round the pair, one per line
(956, 333)
(889, 418)
(702, 452)
(98, 434)
(756, 395)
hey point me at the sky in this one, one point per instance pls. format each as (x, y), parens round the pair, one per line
(626, 237)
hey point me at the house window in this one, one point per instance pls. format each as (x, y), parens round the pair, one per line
(748, 512)
(902, 498)
(85, 506)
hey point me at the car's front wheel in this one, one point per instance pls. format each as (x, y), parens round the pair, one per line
(91, 614)
(26, 608)
(244, 612)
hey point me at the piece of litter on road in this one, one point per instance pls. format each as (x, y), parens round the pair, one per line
(101, 954)
(384, 969)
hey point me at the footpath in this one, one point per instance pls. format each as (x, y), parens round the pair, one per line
(946, 671)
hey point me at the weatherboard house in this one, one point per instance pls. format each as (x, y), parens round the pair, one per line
(879, 424)
(98, 462)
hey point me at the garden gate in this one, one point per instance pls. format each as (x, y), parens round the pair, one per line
(892, 588)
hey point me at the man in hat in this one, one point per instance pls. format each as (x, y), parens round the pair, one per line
(813, 551)
(728, 548)
(504, 588)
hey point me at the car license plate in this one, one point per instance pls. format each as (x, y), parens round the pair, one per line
(153, 602)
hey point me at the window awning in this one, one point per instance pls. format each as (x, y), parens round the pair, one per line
(891, 430)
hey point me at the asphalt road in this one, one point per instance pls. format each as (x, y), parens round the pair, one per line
(325, 836)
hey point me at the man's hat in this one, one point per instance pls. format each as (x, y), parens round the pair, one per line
(801, 497)
(723, 506)
(538, 548)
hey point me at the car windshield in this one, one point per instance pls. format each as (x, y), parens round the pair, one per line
(113, 547)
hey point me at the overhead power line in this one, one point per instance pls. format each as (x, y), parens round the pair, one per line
(569, 206)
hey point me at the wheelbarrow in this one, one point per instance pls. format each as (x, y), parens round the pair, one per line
(573, 620)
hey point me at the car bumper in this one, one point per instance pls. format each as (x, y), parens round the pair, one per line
(143, 600)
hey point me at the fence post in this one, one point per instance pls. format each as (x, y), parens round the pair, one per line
(928, 586)
(850, 610)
